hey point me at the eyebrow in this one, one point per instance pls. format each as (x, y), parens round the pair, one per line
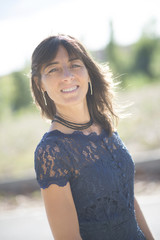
(54, 63)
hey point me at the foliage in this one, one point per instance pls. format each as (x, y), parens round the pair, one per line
(154, 65)
(14, 93)
(139, 59)
(143, 52)
(21, 96)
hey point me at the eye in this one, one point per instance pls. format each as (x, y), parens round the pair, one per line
(75, 66)
(53, 70)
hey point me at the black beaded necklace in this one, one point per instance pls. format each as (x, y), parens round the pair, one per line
(72, 125)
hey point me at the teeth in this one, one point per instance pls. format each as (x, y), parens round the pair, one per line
(69, 89)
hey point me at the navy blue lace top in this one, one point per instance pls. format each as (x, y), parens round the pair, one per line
(101, 175)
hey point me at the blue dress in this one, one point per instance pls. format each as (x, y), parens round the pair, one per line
(101, 175)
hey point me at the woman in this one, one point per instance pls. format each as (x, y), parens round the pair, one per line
(84, 170)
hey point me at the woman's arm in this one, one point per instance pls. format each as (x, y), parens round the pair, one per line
(141, 221)
(61, 212)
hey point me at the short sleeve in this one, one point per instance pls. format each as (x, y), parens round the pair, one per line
(50, 166)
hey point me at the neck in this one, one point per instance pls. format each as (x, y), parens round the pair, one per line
(78, 114)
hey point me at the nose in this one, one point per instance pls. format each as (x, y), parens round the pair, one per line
(67, 74)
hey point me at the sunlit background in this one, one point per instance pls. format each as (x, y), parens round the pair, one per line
(24, 23)
(126, 35)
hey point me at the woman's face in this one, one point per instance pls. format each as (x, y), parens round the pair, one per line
(65, 79)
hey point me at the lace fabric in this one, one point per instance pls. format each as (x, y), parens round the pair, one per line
(101, 175)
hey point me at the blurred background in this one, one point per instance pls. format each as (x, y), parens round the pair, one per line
(124, 34)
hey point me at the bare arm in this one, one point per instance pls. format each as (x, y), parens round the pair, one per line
(141, 221)
(61, 212)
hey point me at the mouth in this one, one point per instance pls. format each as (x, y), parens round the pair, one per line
(70, 90)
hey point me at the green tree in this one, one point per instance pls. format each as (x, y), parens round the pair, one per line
(142, 55)
(118, 56)
(21, 97)
(154, 65)
(110, 50)
(6, 90)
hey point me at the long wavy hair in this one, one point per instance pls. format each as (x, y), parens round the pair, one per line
(100, 103)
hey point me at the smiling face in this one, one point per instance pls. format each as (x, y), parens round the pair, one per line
(65, 79)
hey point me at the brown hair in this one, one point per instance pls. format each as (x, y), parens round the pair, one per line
(100, 104)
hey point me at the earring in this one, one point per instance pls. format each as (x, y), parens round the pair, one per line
(44, 98)
(91, 89)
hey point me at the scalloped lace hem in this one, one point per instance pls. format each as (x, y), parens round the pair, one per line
(77, 132)
(45, 185)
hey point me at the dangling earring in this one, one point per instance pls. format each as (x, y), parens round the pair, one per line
(91, 89)
(44, 98)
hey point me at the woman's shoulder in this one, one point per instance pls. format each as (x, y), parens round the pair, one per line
(60, 138)
(49, 139)
(50, 161)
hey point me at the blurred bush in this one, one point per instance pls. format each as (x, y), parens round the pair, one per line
(21, 96)
(139, 59)
(15, 93)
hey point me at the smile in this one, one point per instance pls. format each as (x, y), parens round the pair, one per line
(68, 90)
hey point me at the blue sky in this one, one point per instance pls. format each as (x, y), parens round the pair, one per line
(24, 23)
